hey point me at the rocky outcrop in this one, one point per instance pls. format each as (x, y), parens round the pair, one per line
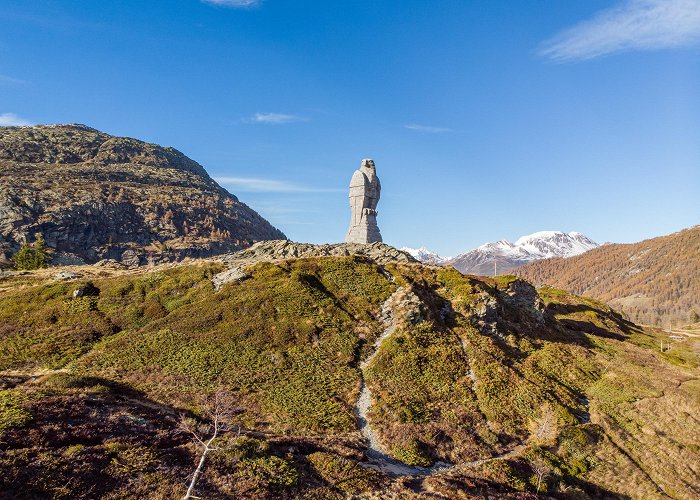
(94, 196)
(270, 251)
(230, 275)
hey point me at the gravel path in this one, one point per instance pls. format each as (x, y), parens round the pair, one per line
(378, 458)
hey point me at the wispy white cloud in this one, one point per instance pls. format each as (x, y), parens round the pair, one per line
(288, 210)
(12, 120)
(274, 118)
(632, 25)
(11, 80)
(425, 128)
(252, 184)
(236, 4)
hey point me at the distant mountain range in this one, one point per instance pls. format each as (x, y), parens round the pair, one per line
(507, 256)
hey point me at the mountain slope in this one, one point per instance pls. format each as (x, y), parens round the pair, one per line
(508, 256)
(95, 196)
(491, 376)
(655, 281)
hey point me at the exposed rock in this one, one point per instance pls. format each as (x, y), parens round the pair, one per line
(233, 274)
(405, 306)
(87, 290)
(109, 263)
(66, 259)
(94, 196)
(485, 314)
(66, 275)
(130, 258)
(283, 250)
(365, 190)
(523, 296)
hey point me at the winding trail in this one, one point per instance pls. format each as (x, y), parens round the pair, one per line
(378, 458)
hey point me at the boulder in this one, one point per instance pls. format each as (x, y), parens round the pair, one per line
(87, 290)
(233, 274)
(66, 275)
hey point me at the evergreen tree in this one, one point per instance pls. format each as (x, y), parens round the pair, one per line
(34, 256)
(694, 316)
(41, 253)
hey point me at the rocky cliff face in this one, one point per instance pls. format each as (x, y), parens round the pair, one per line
(94, 196)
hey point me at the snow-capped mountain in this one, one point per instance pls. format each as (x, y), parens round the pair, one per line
(546, 244)
(425, 256)
(506, 255)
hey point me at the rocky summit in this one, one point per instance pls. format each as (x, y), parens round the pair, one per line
(271, 251)
(94, 196)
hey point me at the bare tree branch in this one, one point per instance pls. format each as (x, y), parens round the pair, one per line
(220, 410)
(541, 469)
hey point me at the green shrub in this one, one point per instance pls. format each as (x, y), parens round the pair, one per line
(132, 459)
(242, 448)
(414, 412)
(271, 472)
(79, 305)
(576, 451)
(72, 381)
(501, 471)
(344, 474)
(12, 412)
(74, 450)
(412, 452)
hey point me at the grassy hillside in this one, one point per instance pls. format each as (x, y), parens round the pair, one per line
(654, 282)
(519, 388)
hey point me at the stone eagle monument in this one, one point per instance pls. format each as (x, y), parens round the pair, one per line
(364, 196)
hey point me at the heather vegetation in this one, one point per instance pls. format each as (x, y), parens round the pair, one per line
(524, 390)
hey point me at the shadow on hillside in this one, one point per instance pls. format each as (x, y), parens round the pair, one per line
(93, 437)
(521, 316)
(314, 283)
(579, 323)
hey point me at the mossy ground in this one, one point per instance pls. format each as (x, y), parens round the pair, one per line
(569, 383)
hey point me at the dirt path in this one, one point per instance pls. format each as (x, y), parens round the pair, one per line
(379, 459)
(32, 375)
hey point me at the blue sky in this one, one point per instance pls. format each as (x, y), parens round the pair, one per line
(487, 120)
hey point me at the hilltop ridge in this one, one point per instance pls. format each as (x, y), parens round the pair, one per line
(95, 196)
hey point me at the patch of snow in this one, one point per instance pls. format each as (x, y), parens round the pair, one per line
(539, 245)
(504, 256)
(546, 244)
(422, 254)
